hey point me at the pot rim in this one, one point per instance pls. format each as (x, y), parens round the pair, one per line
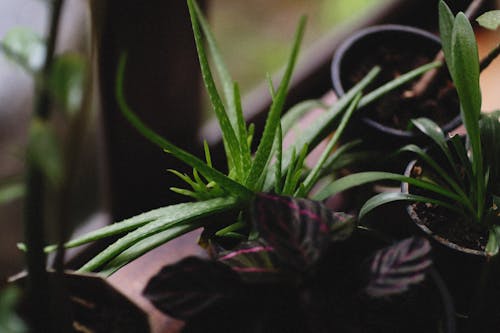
(359, 35)
(405, 188)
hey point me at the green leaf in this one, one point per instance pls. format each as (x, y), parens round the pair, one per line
(446, 19)
(362, 178)
(132, 223)
(386, 197)
(463, 198)
(178, 215)
(11, 191)
(465, 76)
(44, 151)
(321, 126)
(490, 20)
(210, 173)
(314, 175)
(493, 244)
(67, 79)
(221, 68)
(264, 149)
(10, 322)
(146, 245)
(24, 47)
(243, 133)
(397, 82)
(490, 140)
(228, 132)
(293, 115)
(433, 131)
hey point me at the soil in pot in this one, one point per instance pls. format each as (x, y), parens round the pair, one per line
(450, 227)
(397, 50)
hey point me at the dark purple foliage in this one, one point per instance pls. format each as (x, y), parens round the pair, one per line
(299, 230)
(394, 269)
(188, 287)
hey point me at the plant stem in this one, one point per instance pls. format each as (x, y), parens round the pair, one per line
(34, 215)
(486, 61)
(428, 80)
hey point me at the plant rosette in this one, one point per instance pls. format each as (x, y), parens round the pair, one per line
(396, 49)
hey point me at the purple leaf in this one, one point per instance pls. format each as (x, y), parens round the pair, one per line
(298, 229)
(185, 289)
(253, 260)
(394, 269)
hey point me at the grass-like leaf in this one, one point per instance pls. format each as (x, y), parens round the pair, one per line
(146, 245)
(397, 82)
(490, 140)
(220, 66)
(314, 175)
(386, 197)
(228, 132)
(319, 129)
(465, 76)
(362, 178)
(177, 216)
(264, 149)
(464, 199)
(446, 19)
(210, 173)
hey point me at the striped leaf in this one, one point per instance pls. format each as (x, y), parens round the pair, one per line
(299, 230)
(190, 286)
(253, 261)
(394, 269)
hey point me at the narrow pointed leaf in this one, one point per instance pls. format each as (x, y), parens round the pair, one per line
(194, 212)
(207, 171)
(393, 270)
(221, 68)
(190, 286)
(387, 197)
(362, 178)
(314, 174)
(397, 82)
(446, 19)
(320, 128)
(228, 131)
(490, 139)
(264, 149)
(142, 247)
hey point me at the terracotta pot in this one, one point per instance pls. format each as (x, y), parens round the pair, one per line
(361, 47)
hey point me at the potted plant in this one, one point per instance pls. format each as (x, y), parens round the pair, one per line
(454, 186)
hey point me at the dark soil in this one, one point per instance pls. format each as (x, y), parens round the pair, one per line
(394, 109)
(446, 224)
